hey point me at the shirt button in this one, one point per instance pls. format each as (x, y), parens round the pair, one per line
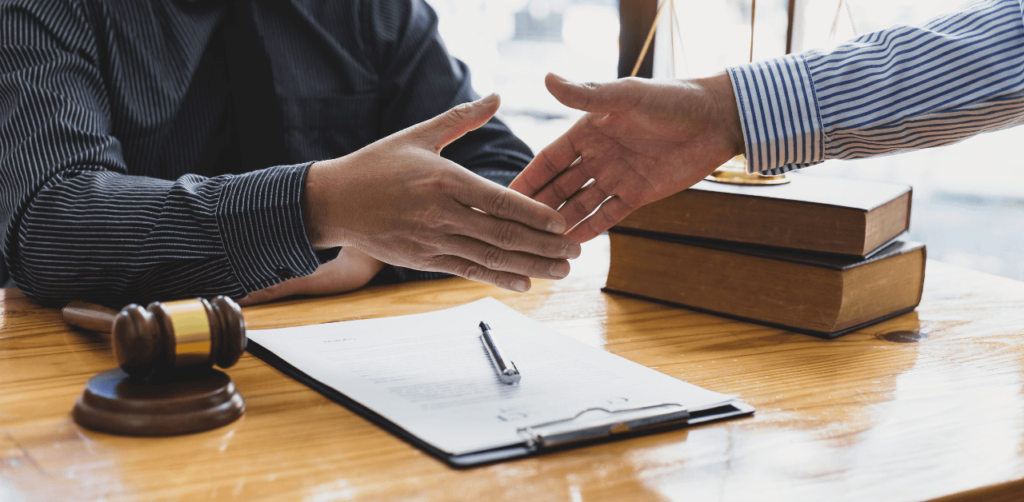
(285, 274)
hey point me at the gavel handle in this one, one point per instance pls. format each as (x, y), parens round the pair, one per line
(89, 316)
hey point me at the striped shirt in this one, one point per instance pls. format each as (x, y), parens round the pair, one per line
(126, 135)
(898, 89)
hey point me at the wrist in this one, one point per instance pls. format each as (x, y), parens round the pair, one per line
(315, 211)
(726, 111)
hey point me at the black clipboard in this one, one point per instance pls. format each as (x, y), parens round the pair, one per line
(539, 443)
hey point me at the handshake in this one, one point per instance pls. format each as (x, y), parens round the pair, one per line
(398, 201)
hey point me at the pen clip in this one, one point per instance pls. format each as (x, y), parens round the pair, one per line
(608, 428)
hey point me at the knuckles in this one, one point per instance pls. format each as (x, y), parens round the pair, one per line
(438, 180)
(632, 86)
(435, 217)
(471, 271)
(496, 259)
(506, 235)
(632, 83)
(440, 263)
(502, 204)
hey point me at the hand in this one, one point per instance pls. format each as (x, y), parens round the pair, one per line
(351, 270)
(640, 141)
(403, 204)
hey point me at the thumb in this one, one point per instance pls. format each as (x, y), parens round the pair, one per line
(616, 96)
(451, 125)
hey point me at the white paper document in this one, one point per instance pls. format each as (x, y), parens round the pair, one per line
(431, 375)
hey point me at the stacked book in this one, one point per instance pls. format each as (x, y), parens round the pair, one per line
(822, 256)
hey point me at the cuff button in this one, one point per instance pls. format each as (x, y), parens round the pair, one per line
(285, 274)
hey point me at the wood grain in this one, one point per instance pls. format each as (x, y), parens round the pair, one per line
(857, 418)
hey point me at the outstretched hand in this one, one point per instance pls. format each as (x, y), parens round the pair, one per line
(401, 203)
(640, 141)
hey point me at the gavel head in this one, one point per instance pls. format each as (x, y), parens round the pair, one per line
(180, 334)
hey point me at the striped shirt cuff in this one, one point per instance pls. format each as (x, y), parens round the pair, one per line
(262, 227)
(779, 113)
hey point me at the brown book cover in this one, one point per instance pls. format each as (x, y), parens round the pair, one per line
(811, 213)
(821, 295)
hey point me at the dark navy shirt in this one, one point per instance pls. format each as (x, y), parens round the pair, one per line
(128, 163)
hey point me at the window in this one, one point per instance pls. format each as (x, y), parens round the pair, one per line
(510, 45)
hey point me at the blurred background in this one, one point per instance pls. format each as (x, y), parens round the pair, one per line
(968, 198)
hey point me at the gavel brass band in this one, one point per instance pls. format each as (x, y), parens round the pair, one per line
(191, 332)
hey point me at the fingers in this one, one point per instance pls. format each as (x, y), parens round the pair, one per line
(610, 213)
(476, 272)
(558, 170)
(583, 203)
(547, 165)
(615, 96)
(500, 260)
(513, 236)
(554, 159)
(563, 187)
(510, 205)
(451, 125)
(603, 160)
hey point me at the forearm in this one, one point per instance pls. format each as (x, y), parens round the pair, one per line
(898, 89)
(114, 239)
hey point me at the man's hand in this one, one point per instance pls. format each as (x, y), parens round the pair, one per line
(641, 141)
(351, 270)
(403, 204)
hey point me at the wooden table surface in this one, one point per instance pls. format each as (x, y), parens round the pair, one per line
(857, 418)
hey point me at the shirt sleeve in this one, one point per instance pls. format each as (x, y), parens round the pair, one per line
(902, 88)
(420, 80)
(76, 226)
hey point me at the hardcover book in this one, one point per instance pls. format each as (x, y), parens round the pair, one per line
(821, 295)
(827, 215)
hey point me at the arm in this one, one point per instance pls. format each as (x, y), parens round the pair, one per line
(77, 226)
(903, 88)
(897, 89)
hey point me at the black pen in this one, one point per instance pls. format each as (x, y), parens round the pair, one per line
(507, 370)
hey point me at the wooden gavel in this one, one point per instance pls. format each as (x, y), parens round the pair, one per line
(167, 336)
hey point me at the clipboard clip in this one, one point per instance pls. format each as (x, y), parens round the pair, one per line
(535, 438)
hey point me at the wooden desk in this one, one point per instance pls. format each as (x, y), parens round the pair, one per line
(857, 418)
